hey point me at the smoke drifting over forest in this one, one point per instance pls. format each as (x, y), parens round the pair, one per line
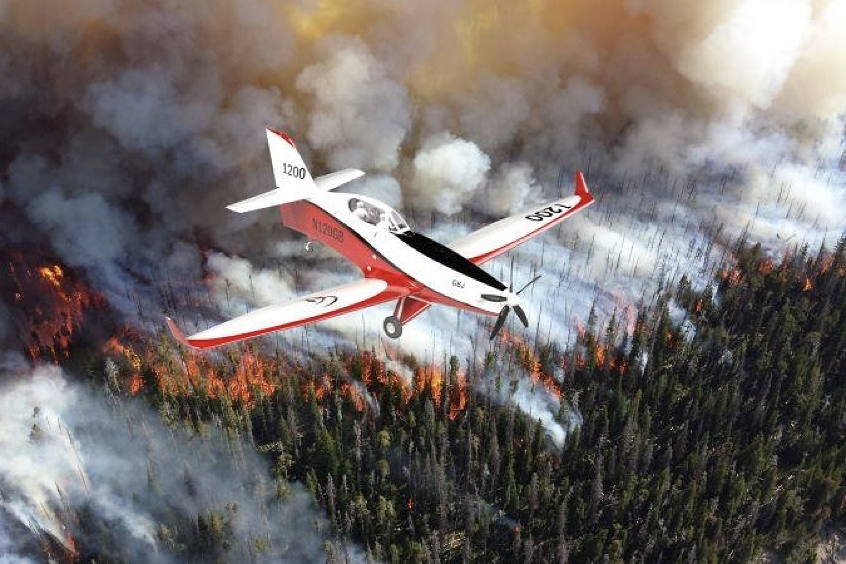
(72, 459)
(129, 125)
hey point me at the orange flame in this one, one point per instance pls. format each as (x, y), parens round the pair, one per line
(70, 545)
(53, 305)
(529, 361)
(194, 372)
(114, 347)
(732, 276)
(52, 274)
(429, 378)
(765, 266)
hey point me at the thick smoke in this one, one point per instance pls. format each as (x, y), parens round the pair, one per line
(447, 171)
(358, 115)
(69, 451)
(130, 125)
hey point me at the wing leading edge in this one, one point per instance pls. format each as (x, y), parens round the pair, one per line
(494, 239)
(301, 311)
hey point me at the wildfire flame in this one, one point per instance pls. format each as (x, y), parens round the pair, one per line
(525, 355)
(604, 355)
(51, 303)
(765, 266)
(732, 276)
(114, 347)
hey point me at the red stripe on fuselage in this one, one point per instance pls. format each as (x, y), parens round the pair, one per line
(318, 225)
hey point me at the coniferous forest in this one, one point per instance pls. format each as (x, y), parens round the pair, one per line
(714, 431)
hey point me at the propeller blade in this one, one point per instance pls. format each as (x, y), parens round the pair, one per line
(511, 276)
(522, 315)
(529, 283)
(500, 321)
(494, 298)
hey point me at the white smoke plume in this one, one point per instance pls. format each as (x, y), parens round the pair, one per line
(237, 284)
(535, 401)
(68, 450)
(511, 188)
(358, 116)
(446, 172)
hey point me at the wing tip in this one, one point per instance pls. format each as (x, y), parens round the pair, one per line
(177, 333)
(581, 185)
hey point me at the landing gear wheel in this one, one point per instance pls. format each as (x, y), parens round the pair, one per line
(392, 326)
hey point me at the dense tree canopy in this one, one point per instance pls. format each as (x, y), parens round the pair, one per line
(713, 429)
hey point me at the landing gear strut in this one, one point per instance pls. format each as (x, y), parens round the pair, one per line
(309, 246)
(392, 326)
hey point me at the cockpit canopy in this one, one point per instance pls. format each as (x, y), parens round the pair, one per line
(378, 214)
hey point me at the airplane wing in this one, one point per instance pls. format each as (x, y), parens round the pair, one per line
(301, 311)
(494, 239)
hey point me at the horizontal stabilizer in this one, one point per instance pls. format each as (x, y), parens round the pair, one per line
(270, 199)
(334, 179)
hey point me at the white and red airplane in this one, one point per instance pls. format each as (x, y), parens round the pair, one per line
(396, 262)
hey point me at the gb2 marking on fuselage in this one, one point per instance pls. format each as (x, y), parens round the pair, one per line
(547, 212)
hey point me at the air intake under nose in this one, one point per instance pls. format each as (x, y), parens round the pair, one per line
(494, 298)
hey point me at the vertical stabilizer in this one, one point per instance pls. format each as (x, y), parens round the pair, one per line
(289, 170)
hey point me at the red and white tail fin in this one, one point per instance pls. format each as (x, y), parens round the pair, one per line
(289, 170)
(291, 176)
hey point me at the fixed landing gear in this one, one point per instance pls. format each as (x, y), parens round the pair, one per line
(309, 246)
(392, 326)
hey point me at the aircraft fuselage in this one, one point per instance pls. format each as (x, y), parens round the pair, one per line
(430, 271)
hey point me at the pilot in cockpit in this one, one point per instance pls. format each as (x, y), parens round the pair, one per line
(360, 211)
(383, 222)
(385, 219)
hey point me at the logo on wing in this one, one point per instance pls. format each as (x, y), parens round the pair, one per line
(325, 301)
